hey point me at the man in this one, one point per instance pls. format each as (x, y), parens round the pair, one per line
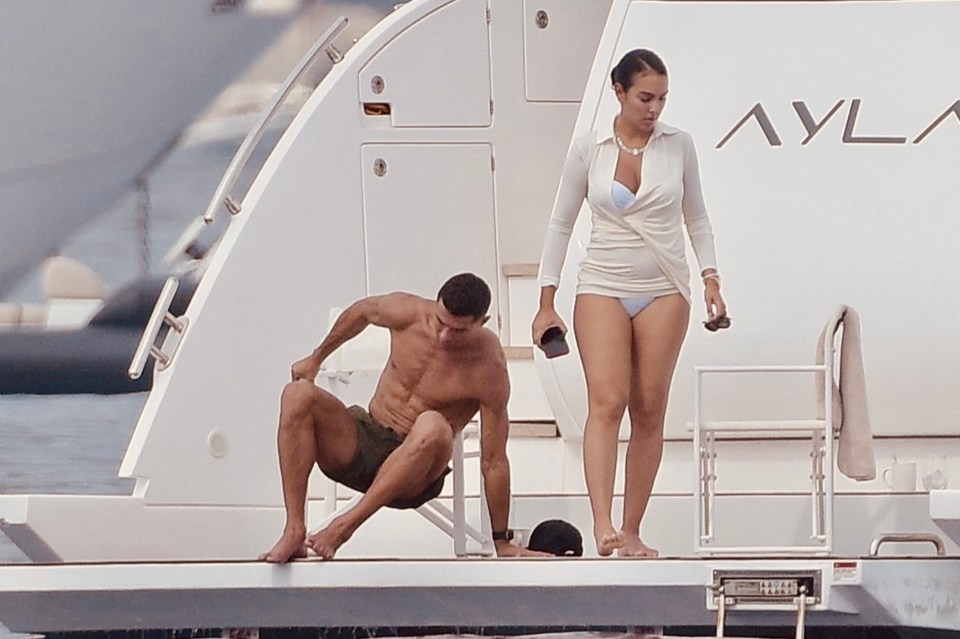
(443, 367)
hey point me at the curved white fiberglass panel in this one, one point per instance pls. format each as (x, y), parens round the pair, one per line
(354, 202)
(828, 135)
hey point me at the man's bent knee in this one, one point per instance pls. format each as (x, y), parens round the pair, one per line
(298, 393)
(302, 395)
(434, 425)
(431, 430)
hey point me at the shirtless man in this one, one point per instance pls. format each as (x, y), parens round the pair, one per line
(443, 367)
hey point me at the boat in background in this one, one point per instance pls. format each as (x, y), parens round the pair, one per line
(435, 146)
(85, 345)
(96, 92)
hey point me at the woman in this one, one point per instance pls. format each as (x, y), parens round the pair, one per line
(641, 179)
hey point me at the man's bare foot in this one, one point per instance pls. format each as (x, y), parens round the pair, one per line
(633, 546)
(290, 546)
(607, 541)
(327, 541)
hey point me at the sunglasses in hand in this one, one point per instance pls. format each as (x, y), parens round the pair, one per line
(717, 323)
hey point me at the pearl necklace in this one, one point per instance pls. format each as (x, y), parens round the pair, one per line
(634, 151)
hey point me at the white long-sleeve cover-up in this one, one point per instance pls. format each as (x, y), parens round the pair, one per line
(623, 240)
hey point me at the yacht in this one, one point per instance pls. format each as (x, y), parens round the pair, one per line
(435, 146)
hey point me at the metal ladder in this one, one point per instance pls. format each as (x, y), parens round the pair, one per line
(796, 590)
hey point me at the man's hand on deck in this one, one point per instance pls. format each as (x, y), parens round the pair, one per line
(506, 549)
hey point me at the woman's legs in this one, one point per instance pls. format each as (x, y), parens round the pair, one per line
(604, 337)
(658, 333)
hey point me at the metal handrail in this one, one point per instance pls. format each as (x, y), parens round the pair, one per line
(242, 156)
(158, 318)
(932, 538)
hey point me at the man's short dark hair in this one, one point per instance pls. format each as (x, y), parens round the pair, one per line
(465, 295)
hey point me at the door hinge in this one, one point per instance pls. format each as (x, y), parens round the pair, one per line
(493, 163)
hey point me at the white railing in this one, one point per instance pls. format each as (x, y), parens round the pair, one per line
(222, 196)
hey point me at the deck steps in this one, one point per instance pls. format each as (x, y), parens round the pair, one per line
(534, 429)
(518, 353)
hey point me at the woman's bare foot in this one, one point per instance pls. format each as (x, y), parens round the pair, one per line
(607, 541)
(327, 541)
(290, 546)
(633, 546)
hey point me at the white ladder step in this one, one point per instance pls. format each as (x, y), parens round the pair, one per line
(772, 425)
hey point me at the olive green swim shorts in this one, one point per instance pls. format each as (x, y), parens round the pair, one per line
(375, 442)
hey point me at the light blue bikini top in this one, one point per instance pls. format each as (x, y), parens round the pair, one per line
(622, 196)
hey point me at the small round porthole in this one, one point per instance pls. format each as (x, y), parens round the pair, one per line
(217, 444)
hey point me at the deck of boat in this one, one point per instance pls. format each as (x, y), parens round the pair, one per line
(875, 591)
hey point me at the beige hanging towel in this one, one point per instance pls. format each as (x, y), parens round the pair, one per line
(855, 456)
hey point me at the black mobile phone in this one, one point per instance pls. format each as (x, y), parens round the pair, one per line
(553, 343)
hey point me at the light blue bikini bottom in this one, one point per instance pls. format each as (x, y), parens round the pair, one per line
(633, 305)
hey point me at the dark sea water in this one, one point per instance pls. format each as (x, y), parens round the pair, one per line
(66, 443)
